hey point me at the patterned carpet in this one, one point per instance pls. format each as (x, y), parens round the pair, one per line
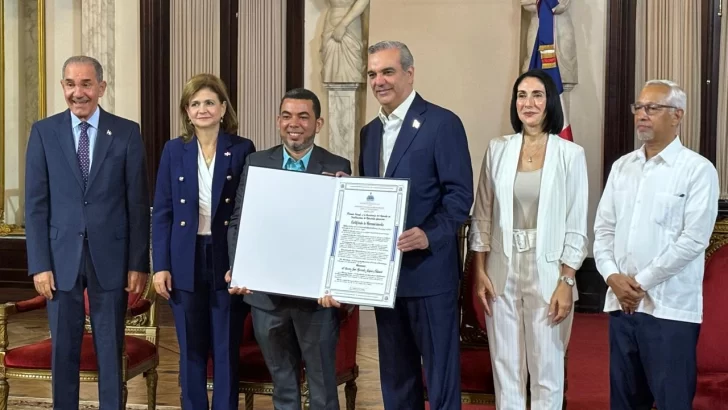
(29, 403)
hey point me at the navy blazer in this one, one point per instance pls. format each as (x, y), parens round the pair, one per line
(113, 210)
(176, 207)
(431, 151)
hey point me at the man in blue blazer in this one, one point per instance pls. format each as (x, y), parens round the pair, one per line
(425, 143)
(87, 227)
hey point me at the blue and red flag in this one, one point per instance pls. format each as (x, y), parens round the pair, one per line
(544, 54)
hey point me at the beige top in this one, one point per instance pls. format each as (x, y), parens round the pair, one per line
(525, 199)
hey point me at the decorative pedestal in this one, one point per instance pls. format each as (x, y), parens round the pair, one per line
(342, 121)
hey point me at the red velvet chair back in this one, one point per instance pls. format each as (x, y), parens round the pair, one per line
(472, 326)
(712, 355)
(131, 300)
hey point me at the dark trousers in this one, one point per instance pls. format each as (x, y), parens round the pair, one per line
(208, 320)
(652, 361)
(288, 334)
(66, 317)
(420, 331)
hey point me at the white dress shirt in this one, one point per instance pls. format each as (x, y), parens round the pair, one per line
(204, 181)
(392, 124)
(654, 223)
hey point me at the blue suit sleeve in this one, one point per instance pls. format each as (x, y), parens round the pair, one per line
(455, 171)
(162, 216)
(362, 133)
(37, 198)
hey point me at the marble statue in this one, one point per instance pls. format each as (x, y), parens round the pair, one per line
(563, 37)
(342, 47)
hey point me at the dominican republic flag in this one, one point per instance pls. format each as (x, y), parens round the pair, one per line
(544, 54)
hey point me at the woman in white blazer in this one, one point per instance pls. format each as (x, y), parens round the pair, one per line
(529, 237)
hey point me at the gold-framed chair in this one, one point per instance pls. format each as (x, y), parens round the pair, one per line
(140, 354)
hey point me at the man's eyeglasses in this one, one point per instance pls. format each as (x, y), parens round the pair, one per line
(649, 108)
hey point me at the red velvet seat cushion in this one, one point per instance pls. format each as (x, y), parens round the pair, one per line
(346, 346)
(476, 371)
(711, 392)
(254, 370)
(38, 355)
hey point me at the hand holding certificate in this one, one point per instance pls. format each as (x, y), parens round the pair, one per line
(310, 236)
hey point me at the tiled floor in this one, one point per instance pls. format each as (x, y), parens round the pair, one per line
(33, 326)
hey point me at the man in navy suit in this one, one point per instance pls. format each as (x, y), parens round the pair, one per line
(87, 227)
(415, 139)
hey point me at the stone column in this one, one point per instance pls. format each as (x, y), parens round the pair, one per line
(97, 26)
(343, 133)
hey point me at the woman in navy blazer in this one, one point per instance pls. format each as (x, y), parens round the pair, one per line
(195, 195)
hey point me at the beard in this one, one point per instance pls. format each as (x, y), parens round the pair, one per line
(646, 136)
(300, 146)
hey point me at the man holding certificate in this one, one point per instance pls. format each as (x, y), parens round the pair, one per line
(416, 140)
(285, 326)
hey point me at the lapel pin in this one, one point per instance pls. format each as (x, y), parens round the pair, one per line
(227, 153)
(108, 132)
(416, 124)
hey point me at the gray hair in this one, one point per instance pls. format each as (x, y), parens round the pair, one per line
(85, 60)
(676, 97)
(405, 56)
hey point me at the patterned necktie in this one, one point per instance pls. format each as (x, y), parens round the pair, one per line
(294, 165)
(84, 160)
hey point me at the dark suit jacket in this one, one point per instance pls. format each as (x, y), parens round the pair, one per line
(176, 206)
(113, 211)
(319, 162)
(432, 152)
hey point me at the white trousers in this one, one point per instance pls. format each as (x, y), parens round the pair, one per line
(522, 341)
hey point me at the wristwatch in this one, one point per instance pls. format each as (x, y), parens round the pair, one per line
(569, 281)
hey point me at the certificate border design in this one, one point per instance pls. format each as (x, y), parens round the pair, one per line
(400, 191)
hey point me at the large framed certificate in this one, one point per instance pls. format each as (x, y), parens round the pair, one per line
(308, 235)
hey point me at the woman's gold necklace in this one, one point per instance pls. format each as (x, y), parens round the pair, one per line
(530, 156)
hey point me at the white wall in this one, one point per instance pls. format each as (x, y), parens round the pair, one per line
(460, 64)
(127, 60)
(63, 39)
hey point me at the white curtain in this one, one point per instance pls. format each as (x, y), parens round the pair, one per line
(668, 47)
(261, 69)
(194, 47)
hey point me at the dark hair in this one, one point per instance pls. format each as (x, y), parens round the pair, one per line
(303, 94)
(553, 122)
